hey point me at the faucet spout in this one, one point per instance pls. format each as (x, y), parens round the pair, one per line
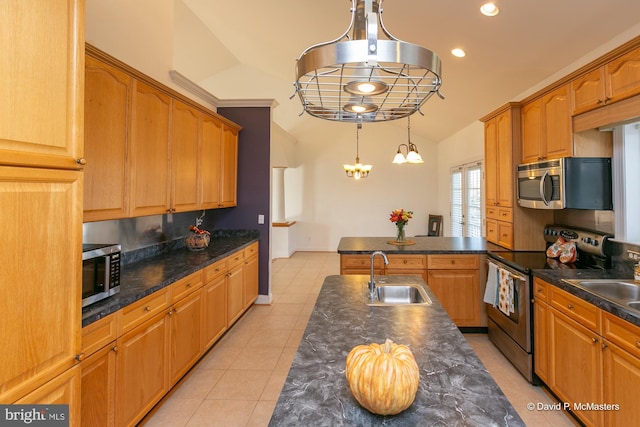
(372, 282)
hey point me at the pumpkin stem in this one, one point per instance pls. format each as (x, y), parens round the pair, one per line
(387, 346)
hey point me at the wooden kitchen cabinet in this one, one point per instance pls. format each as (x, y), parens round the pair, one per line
(360, 264)
(106, 133)
(98, 390)
(185, 339)
(546, 127)
(42, 87)
(229, 166)
(250, 275)
(214, 303)
(541, 339)
(235, 287)
(407, 264)
(211, 163)
(455, 279)
(149, 151)
(185, 157)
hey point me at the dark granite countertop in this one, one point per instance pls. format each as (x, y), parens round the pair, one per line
(423, 245)
(555, 276)
(148, 275)
(455, 388)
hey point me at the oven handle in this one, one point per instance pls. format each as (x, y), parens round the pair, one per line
(514, 275)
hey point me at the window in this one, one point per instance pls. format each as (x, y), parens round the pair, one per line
(466, 200)
(626, 158)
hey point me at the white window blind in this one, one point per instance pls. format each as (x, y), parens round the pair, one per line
(466, 200)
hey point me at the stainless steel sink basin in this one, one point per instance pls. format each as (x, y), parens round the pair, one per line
(619, 290)
(634, 304)
(401, 294)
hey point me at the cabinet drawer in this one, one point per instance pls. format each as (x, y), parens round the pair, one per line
(185, 286)
(579, 310)
(251, 250)
(621, 332)
(214, 270)
(406, 262)
(492, 230)
(505, 214)
(100, 333)
(492, 213)
(360, 261)
(453, 262)
(505, 234)
(236, 258)
(144, 309)
(540, 289)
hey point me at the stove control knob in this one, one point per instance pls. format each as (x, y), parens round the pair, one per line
(587, 240)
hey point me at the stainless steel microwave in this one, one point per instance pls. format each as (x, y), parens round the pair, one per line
(567, 183)
(100, 272)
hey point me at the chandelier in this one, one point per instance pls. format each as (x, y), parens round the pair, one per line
(358, 170)
(362, 78)
(412, 151)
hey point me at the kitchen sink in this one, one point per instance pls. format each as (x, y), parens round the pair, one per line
(634, 304)
(389, 294)
(619, 290)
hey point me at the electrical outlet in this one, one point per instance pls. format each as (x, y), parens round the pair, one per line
(634, 255)
(260, 219)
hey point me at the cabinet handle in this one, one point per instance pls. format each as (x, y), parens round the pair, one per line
(114, 348)
(81, 161)
(595, 340)
(604, 346)
(147, 308)
(170, 313)
(539, 290)
(570, 306)
(80, 357)
(404, 261)
(638, 344)
(188, 285)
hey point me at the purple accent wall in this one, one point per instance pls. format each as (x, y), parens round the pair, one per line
(254, 177)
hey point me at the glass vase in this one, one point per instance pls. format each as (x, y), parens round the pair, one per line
(400, 236)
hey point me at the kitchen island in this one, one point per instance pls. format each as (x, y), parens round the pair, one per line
(455, 388)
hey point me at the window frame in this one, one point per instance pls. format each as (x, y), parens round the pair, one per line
(463, 169)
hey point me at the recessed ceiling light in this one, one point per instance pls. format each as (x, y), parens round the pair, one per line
(458, 52)
(489, 9)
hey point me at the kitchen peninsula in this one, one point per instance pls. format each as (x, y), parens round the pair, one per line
(453, 267)
(455, 388)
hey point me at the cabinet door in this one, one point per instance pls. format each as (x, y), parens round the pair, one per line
(98, 387)
(250, 278)
(557, 124)
(621, 385)
(149, 151)
(106, 135)
(185, 145)
(623, 76)
(42, 69)
(492, 230)
(459, 294)
(229, 167)
(185, 335)
(577, 378)
(532, 146)
(40, 282)
(505, 234)
(210, 165)
(506, 171)
(587, 91)
(235, 300)
(541, 340)
(142, 369)
(491, 162)
(214, 312)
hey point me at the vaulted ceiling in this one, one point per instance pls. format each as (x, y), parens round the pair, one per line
(247, 49)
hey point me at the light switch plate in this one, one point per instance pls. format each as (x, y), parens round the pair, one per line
(260, 219)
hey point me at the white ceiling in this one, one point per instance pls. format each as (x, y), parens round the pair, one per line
(247, 49)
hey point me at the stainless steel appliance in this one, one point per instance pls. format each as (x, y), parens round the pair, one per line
(513, 334)
(100, 272)
(568, 183)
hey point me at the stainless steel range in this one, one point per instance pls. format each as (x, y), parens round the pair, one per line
(510, 326)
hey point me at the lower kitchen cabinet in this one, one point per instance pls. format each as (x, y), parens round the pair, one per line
(98, 387)
(360, 264)
(250, 275)
(411, 265)
(235, 293)
(185, 336)
(587, 356)
(214, 303)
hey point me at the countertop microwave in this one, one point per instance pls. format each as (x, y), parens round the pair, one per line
(100, 272)
(566, 183)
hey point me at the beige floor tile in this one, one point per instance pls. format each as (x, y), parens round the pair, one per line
(222, 413)
(221, 356)
(276, 338)
(199, 384)
(285, 360)
(294, 338)
(279, 322)
(174, 413)
(240, 385)
(287, 309)
(257, 358)
(274, 386)
(262, 413)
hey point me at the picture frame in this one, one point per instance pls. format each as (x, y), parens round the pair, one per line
(434, 225)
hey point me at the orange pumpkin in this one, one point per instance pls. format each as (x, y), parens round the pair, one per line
(383, 378)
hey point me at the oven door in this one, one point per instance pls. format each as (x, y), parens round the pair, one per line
(517, 325)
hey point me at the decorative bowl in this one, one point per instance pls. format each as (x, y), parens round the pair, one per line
(197, 241)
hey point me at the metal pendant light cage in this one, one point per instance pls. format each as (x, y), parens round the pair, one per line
(362, 78)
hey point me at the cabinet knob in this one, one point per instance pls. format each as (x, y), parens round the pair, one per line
(539, 290)
(80, 357)
(81, 161)
(147, 308)
(638, 344)
(604, 345)
(570, 306)
(595, 340)
(114, 348)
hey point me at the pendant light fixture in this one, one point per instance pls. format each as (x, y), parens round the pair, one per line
(357, 170)
(361, 78)
(412, 151)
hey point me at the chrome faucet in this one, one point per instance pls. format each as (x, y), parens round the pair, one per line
(372, 282)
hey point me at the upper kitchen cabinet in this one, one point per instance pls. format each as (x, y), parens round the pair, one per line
(546, 127)
(107, 107)
(149, 151)
(502, 132)
(185, 150)
(41, 64)
(618, 79)
(229, 173)
(211, 163)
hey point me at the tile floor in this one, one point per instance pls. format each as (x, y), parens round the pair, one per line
(238, 382)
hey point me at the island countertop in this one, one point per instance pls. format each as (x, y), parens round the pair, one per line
(423, 245)
(455, 387)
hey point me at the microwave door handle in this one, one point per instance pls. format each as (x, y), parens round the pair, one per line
(107, 276)
(543, 186)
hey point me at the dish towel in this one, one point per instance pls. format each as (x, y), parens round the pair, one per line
(491, 290)
(505, 284)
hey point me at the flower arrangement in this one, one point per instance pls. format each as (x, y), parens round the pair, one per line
(400, 217)
(198, 238)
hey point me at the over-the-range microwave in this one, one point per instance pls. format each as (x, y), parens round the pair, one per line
(566, 183)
